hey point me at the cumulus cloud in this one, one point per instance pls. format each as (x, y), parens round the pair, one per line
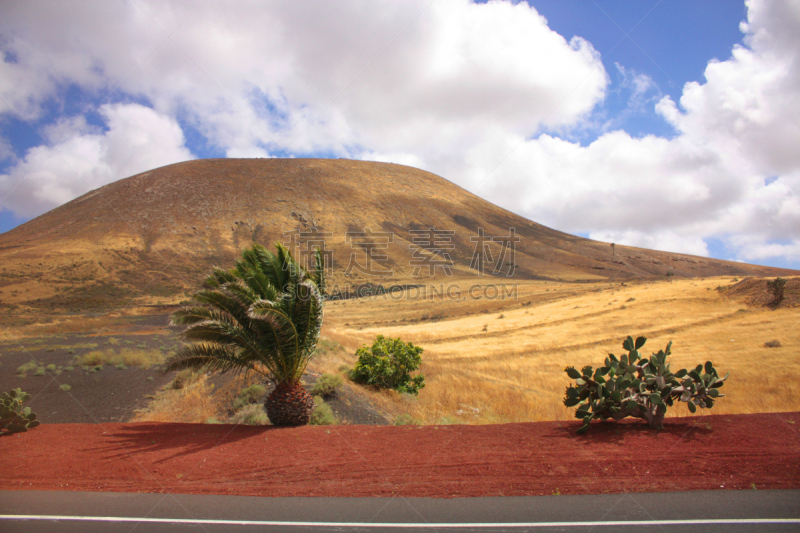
(337, 78)
(85, 157)
(732, 172)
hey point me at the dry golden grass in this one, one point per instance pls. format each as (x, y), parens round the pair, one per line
(481, 368)
(126, 356)
(194, 402)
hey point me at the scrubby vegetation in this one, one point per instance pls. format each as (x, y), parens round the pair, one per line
(252, 415)
(126, 357)
(388, 364)
(322, 414)
(326, 385)
(778, 289)
(15, 418)
(249, 395)
(640, 387)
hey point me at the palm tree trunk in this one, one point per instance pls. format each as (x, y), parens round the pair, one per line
(290, 404)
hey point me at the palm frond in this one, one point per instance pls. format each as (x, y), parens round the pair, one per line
(307, 316)
(208, 357)
(278, 328)
(193, 315)
(225, 301)
(218, 277)
(317, 275)
(263, 315)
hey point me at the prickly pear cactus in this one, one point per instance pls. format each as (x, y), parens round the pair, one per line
(13, 417)
(640, 387)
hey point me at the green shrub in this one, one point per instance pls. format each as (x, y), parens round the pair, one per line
(389, 364)
(326, 385)
(69, 368)
(64, 387)
(121, 366)
(251, 415)
(640, 387)
(322, 415)
(212, 420)
(39, 371)
(51, 367)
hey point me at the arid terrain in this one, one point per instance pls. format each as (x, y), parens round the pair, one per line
(718, 452)
(86, 292)
(149, 239)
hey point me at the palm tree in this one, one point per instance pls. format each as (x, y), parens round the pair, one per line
(264, 316)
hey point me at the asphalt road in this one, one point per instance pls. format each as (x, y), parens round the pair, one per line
(700, 511)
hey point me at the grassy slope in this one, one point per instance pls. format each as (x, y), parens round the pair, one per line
(513, 371)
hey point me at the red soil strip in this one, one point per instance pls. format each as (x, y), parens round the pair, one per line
(694, 453)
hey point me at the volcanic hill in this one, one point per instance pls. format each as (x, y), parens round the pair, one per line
(153, 236)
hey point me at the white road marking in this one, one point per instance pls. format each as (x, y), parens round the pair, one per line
(410, 525)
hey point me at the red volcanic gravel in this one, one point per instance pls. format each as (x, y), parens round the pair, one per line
(694, 453)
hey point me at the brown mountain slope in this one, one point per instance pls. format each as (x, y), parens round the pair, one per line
(157, 233)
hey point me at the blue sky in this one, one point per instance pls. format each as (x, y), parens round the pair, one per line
(661, 124)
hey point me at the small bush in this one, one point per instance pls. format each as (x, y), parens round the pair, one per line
(27, 367)
(51, 367)
(14, 417)
(322, 415)
(388, 364)
(326, 385)
(183, 378)
(638, 386)
(126, 356)
(69, 368)
(326, 347)
(251, 415)
(777, 287)
(248, 395)
(39, 371)
(121, 366)
(64, 387)
(406, 420)
(772, 344)
(212, 420)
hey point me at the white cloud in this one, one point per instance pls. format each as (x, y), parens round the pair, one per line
(137, 139)
(392, 76)
(737, 129)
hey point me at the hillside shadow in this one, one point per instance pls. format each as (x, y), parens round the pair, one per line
(183, 439)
